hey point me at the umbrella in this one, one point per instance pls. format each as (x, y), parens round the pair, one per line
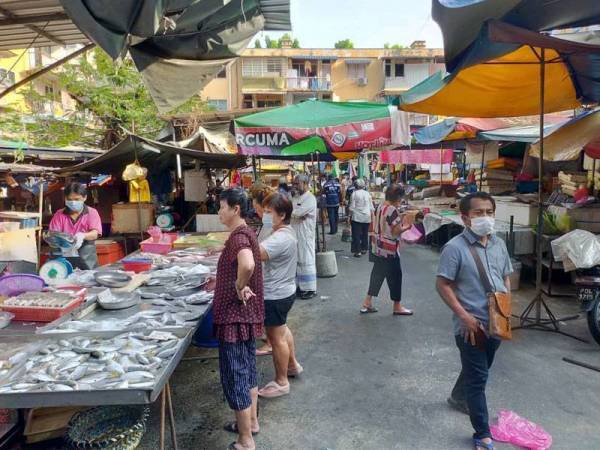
(177, 46)
(321, 127)
(506, 70)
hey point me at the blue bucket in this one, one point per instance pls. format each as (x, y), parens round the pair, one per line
(203, 337)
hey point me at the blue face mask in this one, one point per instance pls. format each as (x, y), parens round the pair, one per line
(267, 220)
(74, 205)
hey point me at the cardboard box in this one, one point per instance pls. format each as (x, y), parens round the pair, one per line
(125, 217)
(523, 213)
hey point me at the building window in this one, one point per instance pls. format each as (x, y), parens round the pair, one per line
(47, 51)
(219, 105)
(268, 101)
(247, 103)
(326, 96)
(49, 91)
(222, 73)
(388, 68)
(261, 67)
(357, 71)
(7, 78)
(398, 70)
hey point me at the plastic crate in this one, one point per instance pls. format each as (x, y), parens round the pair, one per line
(162, 247)
(45, 314)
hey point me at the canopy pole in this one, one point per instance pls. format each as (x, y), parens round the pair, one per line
(551, 323)
(441, 165)
(39, 225)
(482, 166)
(254, 167)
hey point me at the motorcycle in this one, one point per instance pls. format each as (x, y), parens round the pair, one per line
(588, 294)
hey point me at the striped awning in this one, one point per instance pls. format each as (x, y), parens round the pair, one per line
(315, 57)
(358, 61)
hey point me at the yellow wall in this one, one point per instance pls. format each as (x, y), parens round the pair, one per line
(345, 89)
(217, 89)
(14, 100)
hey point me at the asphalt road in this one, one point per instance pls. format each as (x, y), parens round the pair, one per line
(381, 382)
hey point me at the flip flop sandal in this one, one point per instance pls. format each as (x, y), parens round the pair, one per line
(478, 443)
(273, 390)
(370, 309)
(294, 373)
(404, 313)
(264, 352)
(233, 428)
(233, 446)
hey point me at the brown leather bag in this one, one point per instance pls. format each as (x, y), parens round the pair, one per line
(500, 303)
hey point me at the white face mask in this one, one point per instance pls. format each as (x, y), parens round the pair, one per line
(267, 220)
(482, 226)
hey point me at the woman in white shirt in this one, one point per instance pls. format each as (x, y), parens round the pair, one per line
(279, 253)
(361, 208)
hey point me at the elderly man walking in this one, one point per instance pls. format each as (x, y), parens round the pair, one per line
(304, 222)
(467, 261)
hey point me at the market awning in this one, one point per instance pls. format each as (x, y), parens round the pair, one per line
(461, 20)
(320, 127)
(315, 57)
(529, 133)
(150, 154)
(443, 156)
(485, 85)
(451, 129)
(8, 147)
(177, 46)
(566, 142)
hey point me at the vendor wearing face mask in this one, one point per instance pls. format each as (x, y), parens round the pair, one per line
(81, 221)
(462, 289)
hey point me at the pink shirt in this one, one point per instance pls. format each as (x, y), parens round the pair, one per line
(88, 220)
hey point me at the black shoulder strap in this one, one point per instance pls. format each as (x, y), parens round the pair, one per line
(482, 273)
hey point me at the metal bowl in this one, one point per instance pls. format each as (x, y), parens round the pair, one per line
(112, 279)
(121, 300)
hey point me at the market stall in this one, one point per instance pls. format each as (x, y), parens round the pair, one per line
(116, 336)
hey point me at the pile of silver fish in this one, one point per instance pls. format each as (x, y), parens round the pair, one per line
(161, 314)
(127, 361)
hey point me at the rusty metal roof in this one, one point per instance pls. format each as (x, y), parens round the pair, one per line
(45, 21)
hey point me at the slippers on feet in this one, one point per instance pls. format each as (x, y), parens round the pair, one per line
(232, 427)
(234, 446)
(264, 352)
(368, 310)
(295, 372)
(406, 312)
(273, 390)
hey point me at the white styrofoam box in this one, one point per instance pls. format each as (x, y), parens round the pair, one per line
(524, 214)
(205, 223)
(195, 185)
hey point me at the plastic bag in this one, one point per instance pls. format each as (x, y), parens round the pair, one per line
(412, 235)
(134, 171)
(580, 248)
(513, 429)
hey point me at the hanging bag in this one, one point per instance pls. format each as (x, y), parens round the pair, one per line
(500, 303)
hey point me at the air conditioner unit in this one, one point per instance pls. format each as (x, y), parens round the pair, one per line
(361, 81)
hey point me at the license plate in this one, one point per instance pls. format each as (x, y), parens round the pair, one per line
(586, 295)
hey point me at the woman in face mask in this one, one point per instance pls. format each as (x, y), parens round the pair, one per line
(80, 221)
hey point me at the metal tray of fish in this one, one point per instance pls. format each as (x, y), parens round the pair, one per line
(148, 393)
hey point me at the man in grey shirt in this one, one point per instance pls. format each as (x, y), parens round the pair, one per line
(461, 288)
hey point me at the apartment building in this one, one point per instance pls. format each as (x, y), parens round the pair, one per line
(14, 66)
(276, 77)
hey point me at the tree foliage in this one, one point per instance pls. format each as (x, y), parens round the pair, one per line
(111, 98)
(344, 43)
(272, 43)
(257, 44)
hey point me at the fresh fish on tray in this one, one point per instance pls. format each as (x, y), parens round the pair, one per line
(128, 360)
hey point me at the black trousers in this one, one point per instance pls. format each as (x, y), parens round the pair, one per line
(360, 237)
(388, 269)
(333, 213)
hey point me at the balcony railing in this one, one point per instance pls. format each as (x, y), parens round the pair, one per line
(308, 84)
(264, 83)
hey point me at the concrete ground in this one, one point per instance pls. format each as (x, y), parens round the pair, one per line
(381, 382)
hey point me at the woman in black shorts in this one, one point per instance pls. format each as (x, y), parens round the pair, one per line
(279, 253)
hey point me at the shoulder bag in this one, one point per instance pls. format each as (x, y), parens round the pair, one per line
(500, 303)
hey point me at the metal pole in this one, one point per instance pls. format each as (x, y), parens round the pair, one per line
(594, 176)
(254, 167)
(482, 166)
(39, 225)
(441, 165)
(540, 222)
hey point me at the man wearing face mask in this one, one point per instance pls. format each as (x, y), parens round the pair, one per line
(460, 286)
(304, 222)
(81, 221)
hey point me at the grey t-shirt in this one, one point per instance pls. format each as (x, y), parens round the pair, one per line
(279, 271)
(457, 264)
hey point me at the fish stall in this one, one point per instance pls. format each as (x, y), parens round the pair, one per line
(108, 336)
